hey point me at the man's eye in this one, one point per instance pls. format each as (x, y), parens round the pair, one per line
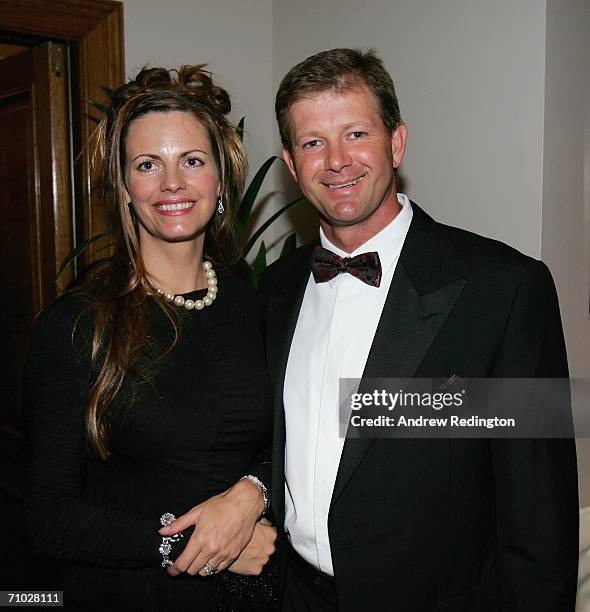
(311, 144)
(358, 134)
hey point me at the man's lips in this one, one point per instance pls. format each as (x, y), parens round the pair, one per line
(177, 207)
(348, 184)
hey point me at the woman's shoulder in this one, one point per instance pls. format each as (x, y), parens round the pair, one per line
(60, 341)
(71, 315)
(67, 307)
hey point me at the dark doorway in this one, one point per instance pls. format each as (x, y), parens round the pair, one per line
(55, 56)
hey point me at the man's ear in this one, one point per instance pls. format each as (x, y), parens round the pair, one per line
(398, 143)
(289, 161)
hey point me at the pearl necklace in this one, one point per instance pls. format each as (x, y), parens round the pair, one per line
(178, 300)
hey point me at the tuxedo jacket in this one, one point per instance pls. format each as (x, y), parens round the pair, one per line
(432, 525)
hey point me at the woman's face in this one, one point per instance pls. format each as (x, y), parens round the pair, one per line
(171, 177)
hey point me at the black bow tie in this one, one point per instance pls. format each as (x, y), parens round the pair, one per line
(325, 265)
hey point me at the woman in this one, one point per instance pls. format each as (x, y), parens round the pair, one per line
(146, 389)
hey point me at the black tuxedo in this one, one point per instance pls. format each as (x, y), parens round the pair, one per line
(425, 525)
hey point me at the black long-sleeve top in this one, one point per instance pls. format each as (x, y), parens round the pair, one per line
(203, 422)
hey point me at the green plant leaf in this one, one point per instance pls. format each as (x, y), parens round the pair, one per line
(289, 245)
(266, 224)
(75, 253)
(103, 108)
(252, 193)
(108, 245)
(240, 129)
(259, 264)
(108, 92)
(96, 263)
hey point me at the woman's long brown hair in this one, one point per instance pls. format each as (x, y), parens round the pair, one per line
(119, 294)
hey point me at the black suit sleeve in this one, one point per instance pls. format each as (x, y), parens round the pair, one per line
(261, 465)
(61, 522)
(535, 480)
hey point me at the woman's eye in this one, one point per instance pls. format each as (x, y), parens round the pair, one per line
(193, 162)
(146, 166)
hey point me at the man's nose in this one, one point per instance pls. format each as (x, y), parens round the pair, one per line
(338, 157)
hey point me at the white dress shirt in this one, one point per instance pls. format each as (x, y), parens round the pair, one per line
(332, 340)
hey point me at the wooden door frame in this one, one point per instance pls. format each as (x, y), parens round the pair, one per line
(96, 29)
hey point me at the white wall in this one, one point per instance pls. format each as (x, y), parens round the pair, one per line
(566, 171)
(566, 183)
(233, 36)
(453, 64)
(469, 76)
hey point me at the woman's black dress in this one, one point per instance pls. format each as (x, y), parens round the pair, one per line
(202, 423)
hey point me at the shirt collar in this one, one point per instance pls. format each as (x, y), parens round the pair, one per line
(388, 242)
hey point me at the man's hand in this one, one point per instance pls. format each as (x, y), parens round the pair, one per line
(223, 527)
(258, 551)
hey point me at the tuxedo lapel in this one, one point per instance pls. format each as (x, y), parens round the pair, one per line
(409, 323)
(293, 303)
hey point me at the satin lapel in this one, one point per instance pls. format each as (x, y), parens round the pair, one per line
(407, 327)
(292, 306)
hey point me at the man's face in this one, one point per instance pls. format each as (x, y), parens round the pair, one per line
(343, 158)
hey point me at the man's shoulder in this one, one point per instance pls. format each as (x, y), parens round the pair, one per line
(476, 254)
(484, 251)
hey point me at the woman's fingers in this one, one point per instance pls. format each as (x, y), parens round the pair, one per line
(223, 527)
(258, 552)
(211, 566)
(181, 523)
(198, 567)
(199, 550)
(191, 552)
(191, 559)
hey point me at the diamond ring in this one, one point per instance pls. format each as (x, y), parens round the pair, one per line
(209, 569)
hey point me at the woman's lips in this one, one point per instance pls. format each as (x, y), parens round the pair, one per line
(174, 208)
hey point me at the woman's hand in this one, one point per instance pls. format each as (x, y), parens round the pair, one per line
(258, 551)
(223, 527)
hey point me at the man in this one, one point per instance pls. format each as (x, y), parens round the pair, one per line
(416, 525)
